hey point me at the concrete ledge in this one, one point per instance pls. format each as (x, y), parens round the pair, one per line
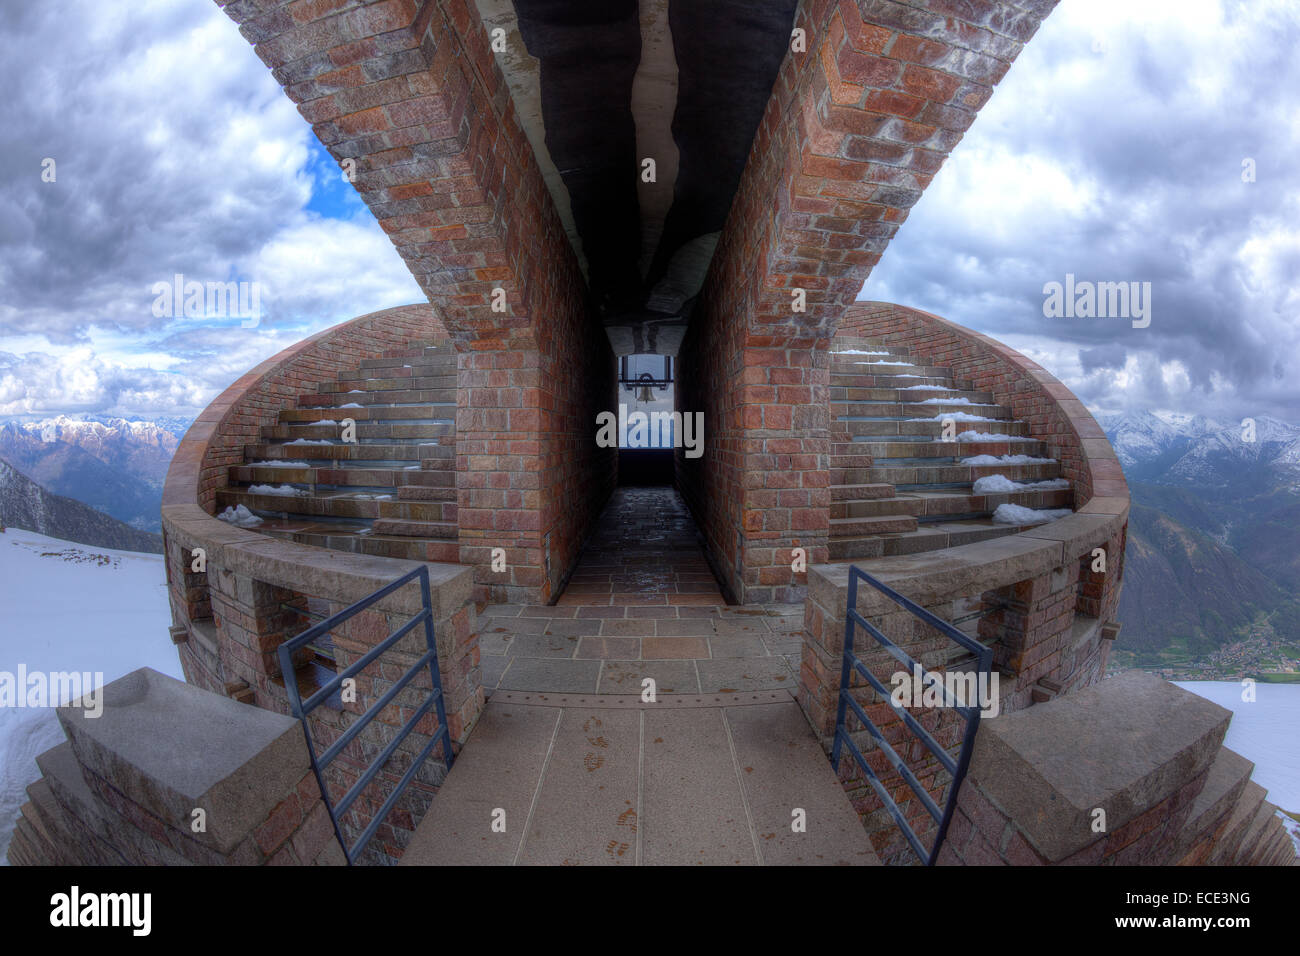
(171, 748)
(1123, 745)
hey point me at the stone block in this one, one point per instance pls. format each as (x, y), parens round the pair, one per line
(171, 748)
(1123, 745)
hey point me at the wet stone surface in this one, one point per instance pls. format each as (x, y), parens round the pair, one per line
(642, 602)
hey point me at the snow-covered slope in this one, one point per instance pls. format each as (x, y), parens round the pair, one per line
(70, 607)
(1263, 731)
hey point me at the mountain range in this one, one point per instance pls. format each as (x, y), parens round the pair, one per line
(112, 464)
(1214, 532)
(25, 504)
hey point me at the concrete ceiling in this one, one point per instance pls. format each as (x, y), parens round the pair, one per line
(603, 85)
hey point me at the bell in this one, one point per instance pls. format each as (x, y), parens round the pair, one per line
(645, 394)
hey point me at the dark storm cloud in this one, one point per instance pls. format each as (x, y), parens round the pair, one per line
(175, 152)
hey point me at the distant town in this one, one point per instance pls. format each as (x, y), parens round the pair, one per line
(1259, 654)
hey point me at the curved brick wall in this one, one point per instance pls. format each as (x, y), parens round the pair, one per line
(253, 591)
(1047, 616)
(1031, 392)
(217, 438)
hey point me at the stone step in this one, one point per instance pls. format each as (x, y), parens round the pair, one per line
(929, 537)
(1224, 852)
(860, 527)
(406, 361)
(362, 505)
(1224, 785)
(931, 428)
(954, 473)
(419, 529)
(872, 429)
(867, 387)
(342, 478)
(877, 507)
(421, 349)
(394, 430)
(905, 409)
(418, 493)
(363, 541)
(372, 413)
(912, 394)
(1255, 833)
(890, 371)
(380, 396)
(309, 449)
(438, 388)
(860, 492)
(846, 341)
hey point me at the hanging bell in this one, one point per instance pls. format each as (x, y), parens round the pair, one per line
(645, 394)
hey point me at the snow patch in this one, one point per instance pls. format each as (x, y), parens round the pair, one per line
(1015, 514)
(956, 417)
(283, 491)
(1006, 460)
(240, 516)
(1001, 484)
(986, 436)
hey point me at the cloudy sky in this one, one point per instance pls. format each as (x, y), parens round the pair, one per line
(175, 152)
(1112, 151)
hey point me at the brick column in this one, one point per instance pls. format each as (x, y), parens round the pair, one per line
(857, 125)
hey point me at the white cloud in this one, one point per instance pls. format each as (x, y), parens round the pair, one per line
(177, 152)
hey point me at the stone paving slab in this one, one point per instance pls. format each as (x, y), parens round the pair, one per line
(608, 780)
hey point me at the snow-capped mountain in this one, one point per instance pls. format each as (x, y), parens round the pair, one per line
(1169, 448)
(1140, 437)
(113, 464)
(143, 448)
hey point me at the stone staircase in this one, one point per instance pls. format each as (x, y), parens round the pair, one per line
(896, 486)
(391, 492)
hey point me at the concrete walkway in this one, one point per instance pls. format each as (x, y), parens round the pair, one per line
(707, 779)
(642, 602)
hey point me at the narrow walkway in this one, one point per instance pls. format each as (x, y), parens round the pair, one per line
(641, 603)
(716, 780)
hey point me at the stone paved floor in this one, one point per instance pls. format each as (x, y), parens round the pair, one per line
(567, 780)
(641, 603)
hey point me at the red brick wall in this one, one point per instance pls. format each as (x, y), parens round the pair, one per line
(855, 129)
(412, 94)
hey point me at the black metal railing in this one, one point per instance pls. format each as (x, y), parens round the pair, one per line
(301, 708)
(971, 713)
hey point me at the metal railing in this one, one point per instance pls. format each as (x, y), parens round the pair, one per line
(971, 714)
(301, 708)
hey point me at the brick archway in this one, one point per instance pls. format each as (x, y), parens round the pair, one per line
(865, 108)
